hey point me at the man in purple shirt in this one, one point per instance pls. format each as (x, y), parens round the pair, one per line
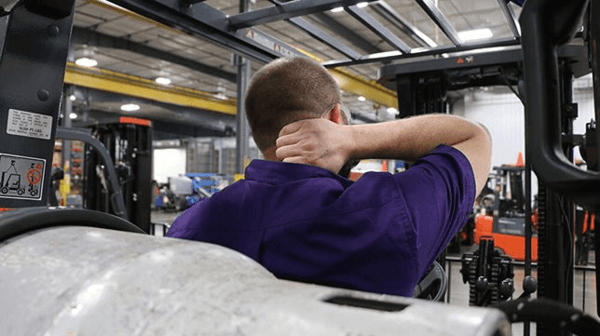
(296, 216)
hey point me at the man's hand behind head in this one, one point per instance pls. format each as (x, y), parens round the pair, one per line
(317, 142)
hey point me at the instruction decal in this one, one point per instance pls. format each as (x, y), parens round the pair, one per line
(28, 124)
(21, 177)
(269, 42)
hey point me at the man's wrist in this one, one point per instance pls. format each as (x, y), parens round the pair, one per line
(349, 143)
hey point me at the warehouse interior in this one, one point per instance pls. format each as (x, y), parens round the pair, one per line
(134, 113)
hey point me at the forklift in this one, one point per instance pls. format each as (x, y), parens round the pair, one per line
(506, 224)
(12, 182)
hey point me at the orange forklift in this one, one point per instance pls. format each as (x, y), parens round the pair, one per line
(504, 218)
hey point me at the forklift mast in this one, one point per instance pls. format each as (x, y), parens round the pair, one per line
(129, 142)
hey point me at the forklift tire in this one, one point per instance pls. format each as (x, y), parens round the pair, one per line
(4, 190)
(20, 192)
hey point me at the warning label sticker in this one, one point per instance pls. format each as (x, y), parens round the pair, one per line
(269, 42)
(28, 124)
(21, 177)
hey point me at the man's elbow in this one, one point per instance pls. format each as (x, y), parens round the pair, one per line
(487, 133)
(484, 158)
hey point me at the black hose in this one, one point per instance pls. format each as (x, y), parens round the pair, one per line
(549, 311)
(20, 221)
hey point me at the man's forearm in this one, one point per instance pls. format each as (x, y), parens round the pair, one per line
(412, 138)
(329, 145)
(409, 139)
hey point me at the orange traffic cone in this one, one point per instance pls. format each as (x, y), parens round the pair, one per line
(520, 160)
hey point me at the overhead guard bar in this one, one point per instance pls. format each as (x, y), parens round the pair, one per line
(546, 25)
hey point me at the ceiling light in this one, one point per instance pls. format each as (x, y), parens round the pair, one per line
(362, 4)
(337, 10)
(163, 80)
(72, 98)
(86, 62)
(477, 34)
(392, 53)
(221, 91)
(221, 96)
(130, 107)
(361, 98)
(392, 110)
(73, 115)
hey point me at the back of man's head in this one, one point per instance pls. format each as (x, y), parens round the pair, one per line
(284, 91)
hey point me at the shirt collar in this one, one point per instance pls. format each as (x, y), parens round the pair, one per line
(281, 172)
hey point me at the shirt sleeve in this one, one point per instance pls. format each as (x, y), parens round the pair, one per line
(439, 191)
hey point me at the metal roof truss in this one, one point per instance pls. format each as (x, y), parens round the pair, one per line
(235, 32)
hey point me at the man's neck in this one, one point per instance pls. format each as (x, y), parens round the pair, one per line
(269, 154)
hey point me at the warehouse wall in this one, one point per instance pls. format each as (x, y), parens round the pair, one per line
(168, 162)
(502, 113)
(215, 155)
(585, 100)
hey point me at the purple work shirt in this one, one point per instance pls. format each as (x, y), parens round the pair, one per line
(304, 223)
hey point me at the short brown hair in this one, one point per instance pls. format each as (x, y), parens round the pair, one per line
(284, 91)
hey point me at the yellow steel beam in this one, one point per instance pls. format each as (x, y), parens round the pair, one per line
(133, 86)
(363, 87)
(347, 81)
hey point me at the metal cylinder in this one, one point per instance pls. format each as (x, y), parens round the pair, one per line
(86, 281)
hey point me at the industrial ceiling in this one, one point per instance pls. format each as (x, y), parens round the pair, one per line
(130, 48)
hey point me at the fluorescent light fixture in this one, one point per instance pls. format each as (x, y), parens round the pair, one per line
(477, 34)
(73, 115)
(362, 4)
(163, 80)
(385, 54)
(392, 110)
(130, 107)
(86, 62)
(337, 10)
(72, 98)
(361, 98)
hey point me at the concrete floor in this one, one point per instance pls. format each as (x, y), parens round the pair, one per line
(163, 217)
(584, 294)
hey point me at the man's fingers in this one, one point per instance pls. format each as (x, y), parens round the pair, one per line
(294, 159)
(286, 151)
(291, 128)
(286, 140)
